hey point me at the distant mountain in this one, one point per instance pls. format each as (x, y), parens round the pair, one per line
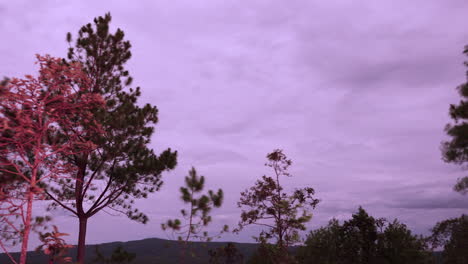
(156, 251)
(148, 251)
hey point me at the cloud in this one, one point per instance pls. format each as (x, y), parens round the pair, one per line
(356, 94)
(447, 203)
(427, 196)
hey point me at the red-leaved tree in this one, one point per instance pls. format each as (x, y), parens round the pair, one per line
(42, 120)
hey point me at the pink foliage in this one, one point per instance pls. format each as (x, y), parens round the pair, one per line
(42, 120)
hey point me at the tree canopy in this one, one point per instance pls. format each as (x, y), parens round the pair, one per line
(456, 149)
(281, 214)
(452, 236)
(364, 239)
(36, 113)
(197, 217)
(123, 167)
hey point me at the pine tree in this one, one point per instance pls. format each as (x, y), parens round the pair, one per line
(123, 167)
(198, 216)
(283, 215)
(456, 150)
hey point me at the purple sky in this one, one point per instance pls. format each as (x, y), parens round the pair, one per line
(356, 93)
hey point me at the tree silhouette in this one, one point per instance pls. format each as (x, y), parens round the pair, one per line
(359, 236)
(227, 254)
(266, 204)
(198, 215)
(267, 254)
(456, 150)
(452, 235)
(398, 245)
(123, 167)
(118, 256)
(364, 239)
(322, 245)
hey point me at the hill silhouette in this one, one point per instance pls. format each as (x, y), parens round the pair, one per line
(156, 251)
(148, 251)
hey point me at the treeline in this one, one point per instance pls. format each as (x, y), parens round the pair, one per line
(364, 239)
(75, 136)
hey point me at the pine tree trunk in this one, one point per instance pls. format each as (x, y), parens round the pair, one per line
(82, 240)
(27, 227)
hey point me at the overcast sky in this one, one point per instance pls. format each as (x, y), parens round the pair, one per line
(356, 93)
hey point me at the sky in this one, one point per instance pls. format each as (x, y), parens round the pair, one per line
(356, 93)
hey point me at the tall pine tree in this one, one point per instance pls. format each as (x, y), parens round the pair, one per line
(123, 167)
(456, 150)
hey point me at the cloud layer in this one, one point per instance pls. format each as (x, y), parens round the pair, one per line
(356, 93)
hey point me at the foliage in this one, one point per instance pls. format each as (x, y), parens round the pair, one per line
(363, 239)
(456, 150)
(123, 167)
(228, 254)
(322, 245)
(397, 245)
(359, 237)
(118, 256)
(452, 235)
(198, 216)
(461, 186)
(34, 114)
(265, 254)
(54, 246)
(266, 204)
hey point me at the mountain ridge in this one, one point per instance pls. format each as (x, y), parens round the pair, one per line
(147, 250)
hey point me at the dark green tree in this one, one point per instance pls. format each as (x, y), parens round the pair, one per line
(322, 245)
(197, 217)
(283, 215)
(123, 167)
(398, 245)
(228, 254)
(452, 235)
(265, 254)
(359, 238)
(456, 150)
(118, 256)
(364, 240)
